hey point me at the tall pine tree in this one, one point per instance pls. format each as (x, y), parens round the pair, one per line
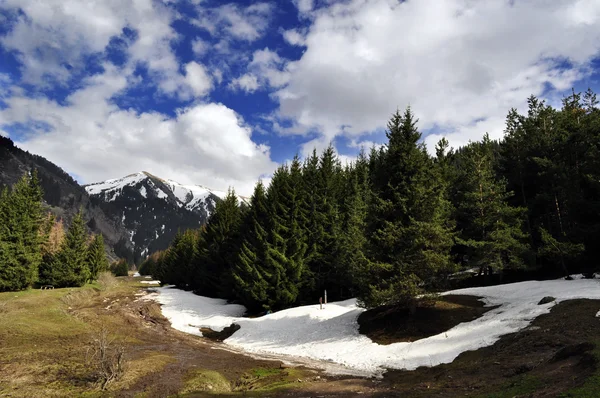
(493, 231)
(21, 219)
(96, 257)
(251, 276)
(409, 241)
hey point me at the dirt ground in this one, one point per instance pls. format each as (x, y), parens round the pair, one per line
(555, 355)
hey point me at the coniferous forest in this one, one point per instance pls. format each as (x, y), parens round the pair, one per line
(35, 249)
(399, 222)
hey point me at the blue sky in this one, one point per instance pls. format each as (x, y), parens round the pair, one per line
(220, 92)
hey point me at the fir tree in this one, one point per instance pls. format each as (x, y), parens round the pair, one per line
(286, 246)
(352, 242)
(494, 232)
(409, 240)
(251, 277)
(69, 266)
(20, 236)
(96, 257)
(217, 253)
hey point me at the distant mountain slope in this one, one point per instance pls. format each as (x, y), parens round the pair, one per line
(63, 195)
(154, 209)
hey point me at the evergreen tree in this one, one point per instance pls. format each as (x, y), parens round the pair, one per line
(352, 242)
(251, 277)
(493, 232)
(120, 267)
(286, 244)
(20, 235)
(180, 259)
(96, 257)
(217, 253)
(69, 266)
(409, 241)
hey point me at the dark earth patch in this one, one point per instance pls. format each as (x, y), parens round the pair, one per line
(389, 324)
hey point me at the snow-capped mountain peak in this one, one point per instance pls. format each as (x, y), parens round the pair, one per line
(153, 209)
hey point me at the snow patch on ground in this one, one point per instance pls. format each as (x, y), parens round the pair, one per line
(136, 275)
(188, 312)
(332, 334)
(150, 282)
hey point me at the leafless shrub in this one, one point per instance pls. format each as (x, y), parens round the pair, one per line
(107, 280)
(106, 357)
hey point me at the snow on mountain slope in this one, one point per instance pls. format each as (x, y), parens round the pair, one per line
(188, 196)
(154, 209)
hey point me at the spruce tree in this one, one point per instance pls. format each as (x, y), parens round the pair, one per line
(96, 257)
(286, 244)
(218, 250)
(409, 240)
(251, 277)
(69, 267)
(493, 232)
(352, 242)
(20, 235)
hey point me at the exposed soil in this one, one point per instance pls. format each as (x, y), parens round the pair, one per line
(389, 324)
(557, 352)
(551, 356)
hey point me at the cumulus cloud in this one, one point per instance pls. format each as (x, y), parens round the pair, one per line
(266, 70)
(235, 22)
(198, 79)
(247, 83)
(294, 37)
(460, 64)
(205, 143)
(54, 38)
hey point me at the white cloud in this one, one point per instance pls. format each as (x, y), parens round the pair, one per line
(199, 47)
(54, 37)
(267, 69)
(204, 144)
(239, 23)
(247, 82)
(455, 62)
(304, 6)
(198, 79)
(294, 37)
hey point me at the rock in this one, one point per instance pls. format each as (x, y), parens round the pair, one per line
(546, 300)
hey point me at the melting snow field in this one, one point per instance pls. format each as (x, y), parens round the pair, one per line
(332, 334)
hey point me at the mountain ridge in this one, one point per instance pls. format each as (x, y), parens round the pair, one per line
(154, 209)
(63, 196)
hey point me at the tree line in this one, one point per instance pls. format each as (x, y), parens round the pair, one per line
(35, 248)
(399, 222)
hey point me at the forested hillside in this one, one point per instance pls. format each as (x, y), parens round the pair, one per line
(62, 195)
(35, 249)
(399, 222)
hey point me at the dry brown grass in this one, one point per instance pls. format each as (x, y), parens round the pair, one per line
(107, 281)
(80, 298)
